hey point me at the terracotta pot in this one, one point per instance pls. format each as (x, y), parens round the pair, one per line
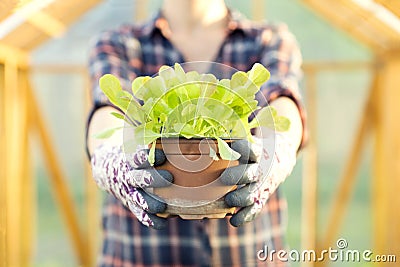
(197, 192)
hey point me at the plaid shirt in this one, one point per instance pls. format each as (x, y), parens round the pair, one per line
(136, 50)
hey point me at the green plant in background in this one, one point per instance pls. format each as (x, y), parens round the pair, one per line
(192, 105)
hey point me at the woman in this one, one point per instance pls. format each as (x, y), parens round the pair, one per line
(183, 31)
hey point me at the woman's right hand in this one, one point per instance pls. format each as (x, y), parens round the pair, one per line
(126, 175)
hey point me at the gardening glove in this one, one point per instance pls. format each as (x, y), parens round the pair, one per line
(264, 165)
(126, 175)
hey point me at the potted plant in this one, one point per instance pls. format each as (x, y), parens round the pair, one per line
(193, 117)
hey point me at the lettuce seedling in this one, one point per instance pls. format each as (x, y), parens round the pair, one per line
(193, 105)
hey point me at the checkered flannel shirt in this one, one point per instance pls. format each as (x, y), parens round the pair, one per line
(135, 50)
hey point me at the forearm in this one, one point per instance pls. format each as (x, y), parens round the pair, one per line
(287, 108)
(101, 121)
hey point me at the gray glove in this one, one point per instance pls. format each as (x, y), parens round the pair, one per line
(263, 166)
(125, 175)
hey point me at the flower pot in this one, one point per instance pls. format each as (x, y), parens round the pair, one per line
(196, 192)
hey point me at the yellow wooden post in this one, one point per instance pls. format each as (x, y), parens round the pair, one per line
(11, 54)
(310, 169)
(93, 216)
(57, 180)
(12, 172)
(28, 195)
(14, 159)
(92, 194)
(141, 10)
(386, 168)
(348, 178)
(3, 202)
(15, 123)
(258, 10)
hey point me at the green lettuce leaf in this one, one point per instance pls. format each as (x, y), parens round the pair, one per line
(190, 104)
(226, 152)
(258, 74)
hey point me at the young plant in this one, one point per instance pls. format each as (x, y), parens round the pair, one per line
(192, 105)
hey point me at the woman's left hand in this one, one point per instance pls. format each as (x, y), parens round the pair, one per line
(264, 165)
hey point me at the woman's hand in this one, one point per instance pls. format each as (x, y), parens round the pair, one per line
(264, 165)
(126, 175)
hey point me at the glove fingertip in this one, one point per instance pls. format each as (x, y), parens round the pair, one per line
(238, 199)
(154, 204)
(157, 207)
(226, 177)
(233, 175)
(231, 200)
(159, 157)
(243, 216)
(158, 223)
(236, 220)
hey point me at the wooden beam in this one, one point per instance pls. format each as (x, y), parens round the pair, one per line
(332, 12)
(258, 10)
(93, 203)
(141, 10)
(13, 249)
(391, 5)
(28, 37)
(69, 11)
(337, 65)
(386, 161)
(310, 170)
(59, 68)
(25, 37)
(348, 178)
(3, 179)
(57, 180)
(28, 192)
(7, 8)
(92, 210)
(374, 26)
(15, 127)
(16, 55)
(308, 65)
(47, 23)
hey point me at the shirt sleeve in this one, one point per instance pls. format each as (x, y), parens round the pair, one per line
(282, 57)
(114, 52)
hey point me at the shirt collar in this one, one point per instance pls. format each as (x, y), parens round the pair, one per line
(157, 23)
